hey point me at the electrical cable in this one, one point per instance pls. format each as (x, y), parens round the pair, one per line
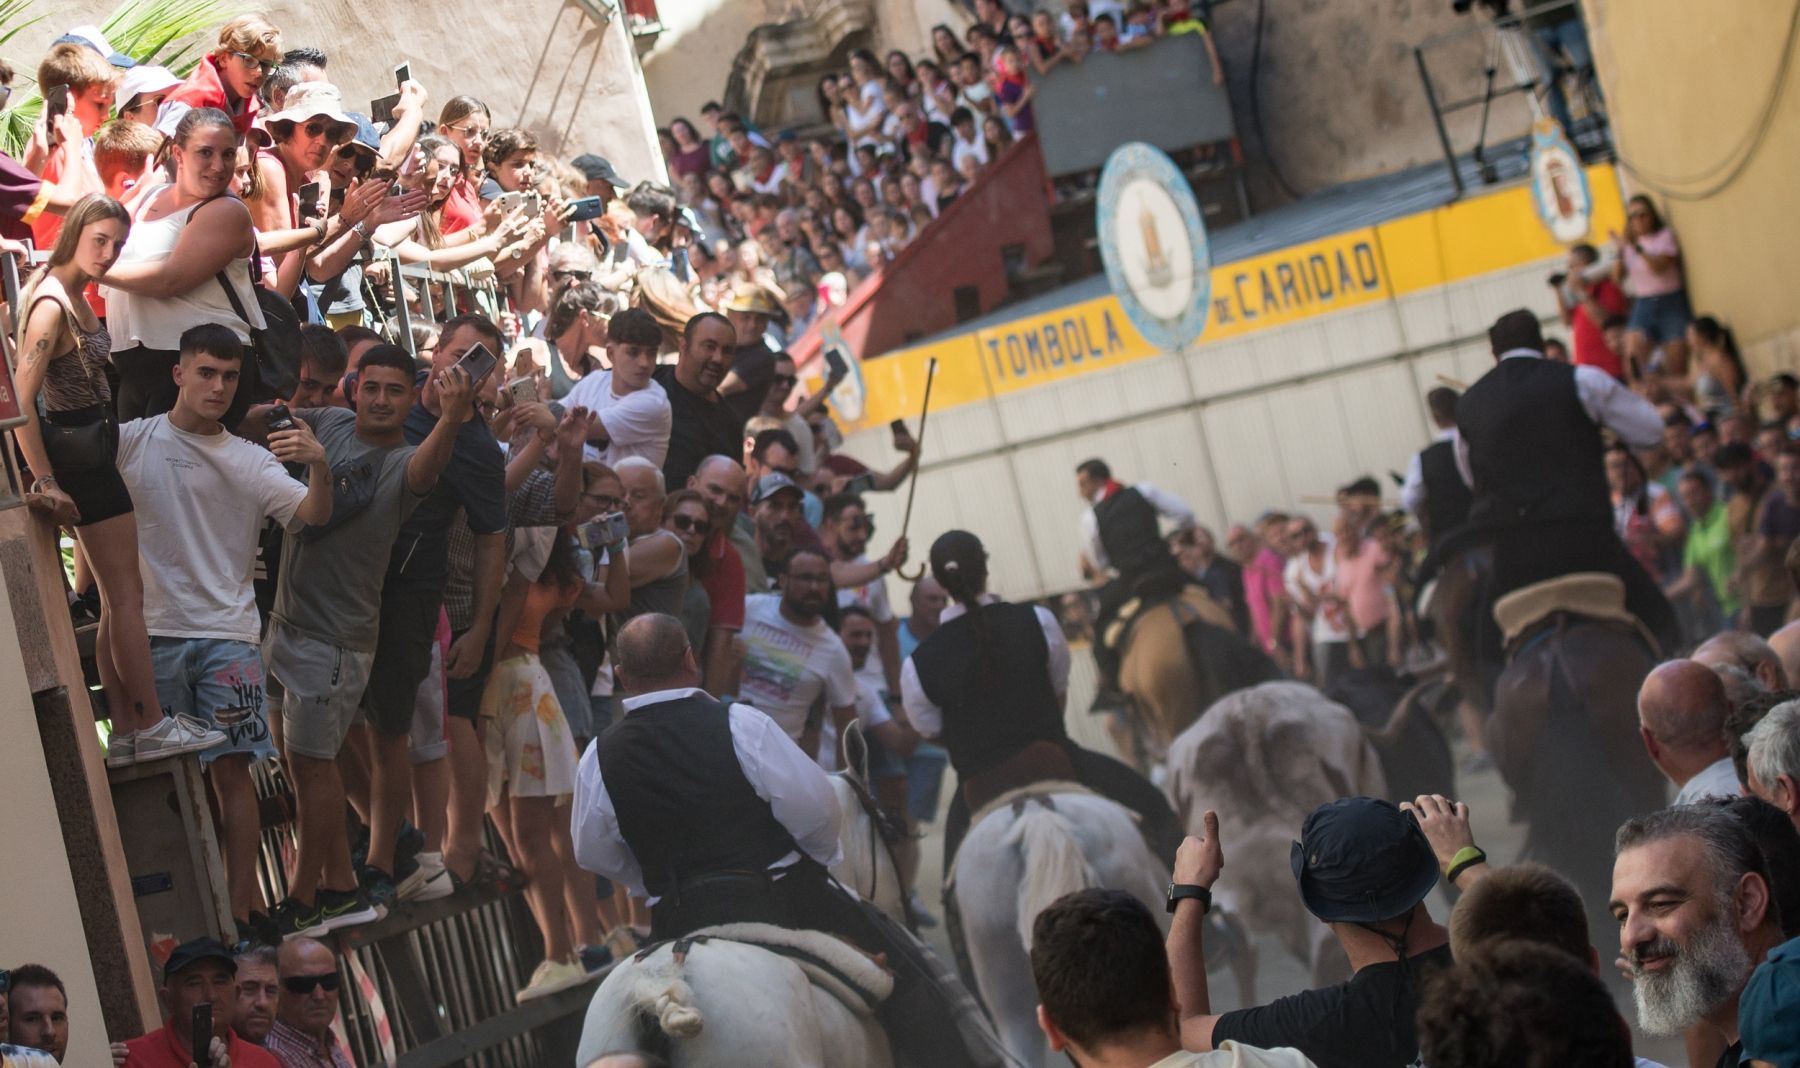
(1743, 152)
(1256, 104)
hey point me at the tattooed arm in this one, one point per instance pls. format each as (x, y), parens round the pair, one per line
(44, 332)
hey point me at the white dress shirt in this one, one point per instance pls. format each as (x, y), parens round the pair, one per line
(1718, 779)
(1609, 403)
(797, 790)
(925, 715)
(1167, 505)
(1412, 491)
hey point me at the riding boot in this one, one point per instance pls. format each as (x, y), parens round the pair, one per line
(1107, 695)
(1157, 821)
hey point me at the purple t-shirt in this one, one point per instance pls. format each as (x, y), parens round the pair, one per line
(1781, 519)
(1008, 91)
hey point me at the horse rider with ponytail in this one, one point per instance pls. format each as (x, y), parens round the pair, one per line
(716, 816)
(989, 685)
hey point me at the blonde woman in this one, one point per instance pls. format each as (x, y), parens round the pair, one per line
(70, 442)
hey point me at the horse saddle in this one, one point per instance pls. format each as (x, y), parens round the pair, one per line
(1038, 762)
(828, 961)
(1192, 604)
(1595, 595)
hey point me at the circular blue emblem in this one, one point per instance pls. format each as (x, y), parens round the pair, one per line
(1154, 245)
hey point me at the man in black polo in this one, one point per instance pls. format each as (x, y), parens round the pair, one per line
(1434, 489)
(1529, 443)
(1121, 536)
(714, 814)
(703, 425)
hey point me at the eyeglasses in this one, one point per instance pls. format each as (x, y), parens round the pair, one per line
(605, 500)
(473, 135)
(261, 64)
(687, 524)
(564, 276)
(305, 984)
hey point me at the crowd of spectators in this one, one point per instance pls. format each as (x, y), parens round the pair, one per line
(813, 212)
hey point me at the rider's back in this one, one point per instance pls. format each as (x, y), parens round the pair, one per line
(1536, 454)
(989, 670)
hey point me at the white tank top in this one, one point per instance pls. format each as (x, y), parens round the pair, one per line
(158, 322)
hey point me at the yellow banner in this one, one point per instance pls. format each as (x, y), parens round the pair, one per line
(1450, 243)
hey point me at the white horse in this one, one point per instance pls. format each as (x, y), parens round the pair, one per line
(1016, 860)
(729, 1003)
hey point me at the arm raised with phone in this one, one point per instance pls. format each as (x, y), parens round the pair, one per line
(456, 402)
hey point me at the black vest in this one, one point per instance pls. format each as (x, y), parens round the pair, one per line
(1536, 454)
(1447, 496)
(683, 803)
(989, 670)
(1130, 534)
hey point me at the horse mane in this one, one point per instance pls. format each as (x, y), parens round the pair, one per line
(1053, 861)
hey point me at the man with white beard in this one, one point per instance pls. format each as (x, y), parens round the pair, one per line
(1691, 894)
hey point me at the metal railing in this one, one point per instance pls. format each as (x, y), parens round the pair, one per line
(1506, 43)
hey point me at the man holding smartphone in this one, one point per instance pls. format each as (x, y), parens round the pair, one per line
(474, 481)
(200, 975)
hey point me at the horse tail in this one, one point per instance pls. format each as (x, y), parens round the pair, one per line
(664, 1005)
(1053, 861)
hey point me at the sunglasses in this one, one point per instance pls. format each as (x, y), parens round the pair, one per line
(316, 128)
(305, 984)
(564, 276)
(249, 60)
(687, 523)
(784, 380)
(473, 135)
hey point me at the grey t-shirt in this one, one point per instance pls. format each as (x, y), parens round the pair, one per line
(331, 575)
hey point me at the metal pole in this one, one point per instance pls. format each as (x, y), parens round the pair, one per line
(1437, 118)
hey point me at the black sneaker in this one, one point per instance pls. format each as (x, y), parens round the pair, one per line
(292, 919)
(1109, 699)
(379, 890)
(344, 908)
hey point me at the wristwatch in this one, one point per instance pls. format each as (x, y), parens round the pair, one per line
(1179, 892)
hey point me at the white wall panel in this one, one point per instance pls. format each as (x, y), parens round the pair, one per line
(1424, 319)
(1365, 333)
(1224, 367)
(1385, 419)
(1292, 351)
(1241, 443)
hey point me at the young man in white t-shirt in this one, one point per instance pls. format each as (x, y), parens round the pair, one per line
(845, 534)
(791, 658)
(201, 495)
(631, 410)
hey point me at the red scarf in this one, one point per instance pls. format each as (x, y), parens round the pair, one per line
(1112, 486)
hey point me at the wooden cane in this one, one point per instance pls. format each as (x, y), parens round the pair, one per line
(912, 486)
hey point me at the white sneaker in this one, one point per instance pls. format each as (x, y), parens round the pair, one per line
(121, 749)
(552, 976)
(172, 737)
(430, 882)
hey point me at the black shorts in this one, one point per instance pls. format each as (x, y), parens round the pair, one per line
(465, 694)
(99, 492)
(402, 656)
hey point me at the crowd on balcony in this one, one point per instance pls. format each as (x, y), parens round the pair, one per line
(812, 215)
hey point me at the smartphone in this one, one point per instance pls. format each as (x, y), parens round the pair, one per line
(402, 75)
(200, 1032)
(587, 208)
(524, 390)
(381, 109)
(534, 204)
(901, 435)
(834, 359)
(278, 419)
(609, 529)
(309, 197)
(56, 102)
(863, 483)
(479, 363)
(510, 202)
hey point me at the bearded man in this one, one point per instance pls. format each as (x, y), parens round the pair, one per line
(1691, 894)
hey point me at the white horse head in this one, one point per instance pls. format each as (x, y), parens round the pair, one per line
(1015, 862)
(868, 866)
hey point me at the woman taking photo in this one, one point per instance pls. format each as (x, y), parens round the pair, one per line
(70, 442)
(186, 235)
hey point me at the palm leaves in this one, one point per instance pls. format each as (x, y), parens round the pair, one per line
(164, 32)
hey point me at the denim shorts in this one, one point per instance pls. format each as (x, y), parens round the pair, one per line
(217, 681)
(1663, 318)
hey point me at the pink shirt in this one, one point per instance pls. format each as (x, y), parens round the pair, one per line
(1263, 588)
(1646, 282)
(1362, 584)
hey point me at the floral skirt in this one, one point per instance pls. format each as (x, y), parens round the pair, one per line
(530, 752)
